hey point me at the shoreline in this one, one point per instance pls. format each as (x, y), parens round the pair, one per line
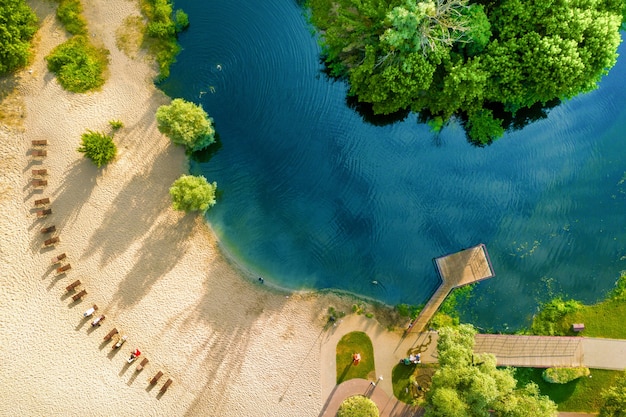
(159, 276)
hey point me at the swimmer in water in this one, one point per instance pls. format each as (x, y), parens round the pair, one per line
(219, 67)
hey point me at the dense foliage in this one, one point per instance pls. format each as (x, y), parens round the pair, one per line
(548, 321)
(78, 64)
(469, 385)
(615, 400)
(163, 26)
(187, 124)
(98, 147)
(18, 24)
(483, 60)
(69, 13)
(193, 193)
(358, 406)
(564, 375)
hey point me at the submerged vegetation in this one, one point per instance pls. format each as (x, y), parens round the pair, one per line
(18, 24)
(486, 62)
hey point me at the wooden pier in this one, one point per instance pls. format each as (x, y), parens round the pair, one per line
(455, 270)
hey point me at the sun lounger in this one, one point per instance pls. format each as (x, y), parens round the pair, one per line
(166, 385)
(72, 285)
(40, 142)
(39, 153)
(51, 241)
(39, 172)
(43, 213)
(110, 334)
(156, 378)
(48, 229)
(42, 201)
(58, 258)
(64, 268)
(142, 364)
(39, 183)
(78, 296)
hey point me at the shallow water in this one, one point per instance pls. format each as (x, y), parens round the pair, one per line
(310, 196)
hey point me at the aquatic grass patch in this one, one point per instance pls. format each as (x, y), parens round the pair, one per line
(79, 65)
(582, 394)
(355, 342)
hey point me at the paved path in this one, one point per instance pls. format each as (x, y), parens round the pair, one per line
(390, 347)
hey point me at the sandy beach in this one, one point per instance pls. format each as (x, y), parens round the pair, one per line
(232, 346)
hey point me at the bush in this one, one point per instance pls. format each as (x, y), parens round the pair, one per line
(564, 375)
(548, 321)
(358, 406)
(193, 193)
(116, 124)
(69, 13)
(181, 20)
(79, 66)
(98, 147)
(186, 124)
(18, 24)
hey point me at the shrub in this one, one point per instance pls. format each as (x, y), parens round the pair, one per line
(192, 193)
(564, 375)
(181, 20)
(79, 66)
(186, 124)
(98, 147)
(18, 24)
(69, 13)
(547, 322)
(116, 124)
(358, 406)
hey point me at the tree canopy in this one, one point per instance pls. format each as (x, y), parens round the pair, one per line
(193, 193)
(469, 385)
(18, 24)
(187, 124)
(615, 399)
(481, 60)
(98, 147)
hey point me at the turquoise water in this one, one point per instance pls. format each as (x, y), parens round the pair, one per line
(311, 196)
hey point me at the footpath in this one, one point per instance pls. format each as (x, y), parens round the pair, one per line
(391, 347)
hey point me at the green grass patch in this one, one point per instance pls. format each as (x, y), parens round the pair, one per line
(581, 395)
(70, 13)
(79, 65)
(355, 342)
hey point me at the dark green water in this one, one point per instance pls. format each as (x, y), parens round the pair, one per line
(313, 197)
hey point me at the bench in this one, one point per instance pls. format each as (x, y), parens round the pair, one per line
(72, 285)
(40, 142)
(42, 201)
(578, 327)
(39, 172)
(156, 378)
(43, 213)
(39, 153)
(64, 268)
(39, 183)
(51, 241)
(141, 365)
(111, 334)
(49, 229)
(78, 296)
(58, 258)
(166, 385)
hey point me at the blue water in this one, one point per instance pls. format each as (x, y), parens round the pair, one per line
(311, 196)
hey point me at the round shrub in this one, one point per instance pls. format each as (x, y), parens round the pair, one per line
(98, 147)
(186, 124)
(358, 406)
(564, 375)
(79, 65)
(191, 193)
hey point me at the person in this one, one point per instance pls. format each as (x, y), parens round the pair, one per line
(90, 311)
(356, 358)
(261, 280)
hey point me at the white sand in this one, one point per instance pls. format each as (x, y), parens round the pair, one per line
(232, 347)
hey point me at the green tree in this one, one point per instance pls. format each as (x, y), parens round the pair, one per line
(186, 124)
(98, 147)
(78, 64)
(358, 406)
(18, 24)
(615, 399)
(193, 193)
(469, 385)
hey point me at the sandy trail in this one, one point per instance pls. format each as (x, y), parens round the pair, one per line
(232, 347)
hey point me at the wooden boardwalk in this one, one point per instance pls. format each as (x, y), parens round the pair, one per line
(455, 270)
(532, 351)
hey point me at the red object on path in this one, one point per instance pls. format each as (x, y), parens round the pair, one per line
(356, 358)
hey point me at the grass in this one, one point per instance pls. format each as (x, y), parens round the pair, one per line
(355, 342)
(403, 389)
(581, 395)
(129, 36)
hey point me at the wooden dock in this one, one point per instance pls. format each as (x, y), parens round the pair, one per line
(455, 270)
